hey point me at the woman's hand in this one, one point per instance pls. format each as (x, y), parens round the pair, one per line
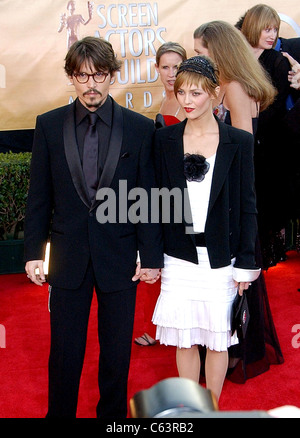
(243, 285)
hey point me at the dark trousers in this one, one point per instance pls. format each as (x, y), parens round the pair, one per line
(69, 315)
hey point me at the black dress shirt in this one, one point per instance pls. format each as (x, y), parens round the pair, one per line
(103, 127)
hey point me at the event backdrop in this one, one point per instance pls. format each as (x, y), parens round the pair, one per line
(35, 35)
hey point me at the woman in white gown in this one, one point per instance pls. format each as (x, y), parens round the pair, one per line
(210, 252)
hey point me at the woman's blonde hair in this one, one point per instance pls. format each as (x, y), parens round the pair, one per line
(170, 47)
(257, 19)
(236, 61)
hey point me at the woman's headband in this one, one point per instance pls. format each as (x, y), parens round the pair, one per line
(200, 65)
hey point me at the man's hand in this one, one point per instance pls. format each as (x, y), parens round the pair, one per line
(31, 268)
(147, 275)
(294, 74)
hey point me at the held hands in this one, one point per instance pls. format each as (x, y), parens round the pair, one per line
(147, 275)
(35, 271)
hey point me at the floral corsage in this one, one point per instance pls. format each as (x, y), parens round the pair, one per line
(195, 167)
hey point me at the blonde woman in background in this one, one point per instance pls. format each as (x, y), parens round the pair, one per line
(245, 89)
(168, 58)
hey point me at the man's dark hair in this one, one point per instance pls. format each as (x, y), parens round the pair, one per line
(96, 52)
(240, 22)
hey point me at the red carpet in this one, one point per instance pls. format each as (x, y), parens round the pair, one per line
(23, 361)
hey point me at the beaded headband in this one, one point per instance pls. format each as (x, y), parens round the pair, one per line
(200, 65)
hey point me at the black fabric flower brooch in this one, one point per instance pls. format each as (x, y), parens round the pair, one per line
(195, 167)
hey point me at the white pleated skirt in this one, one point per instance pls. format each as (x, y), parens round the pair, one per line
(194, 305)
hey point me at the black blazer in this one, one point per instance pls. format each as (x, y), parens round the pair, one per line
(58, 200)
(231, 226)
(292, 46)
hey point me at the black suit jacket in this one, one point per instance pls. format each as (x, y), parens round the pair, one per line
(292, 46)
(58, 200)
(231, 226)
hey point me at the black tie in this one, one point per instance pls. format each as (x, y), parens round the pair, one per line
(90, 155)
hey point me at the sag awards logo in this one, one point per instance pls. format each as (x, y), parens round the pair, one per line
(133, 28)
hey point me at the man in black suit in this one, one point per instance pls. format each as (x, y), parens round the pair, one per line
(88, 251)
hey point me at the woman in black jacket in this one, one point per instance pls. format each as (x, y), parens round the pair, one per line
(210, 232)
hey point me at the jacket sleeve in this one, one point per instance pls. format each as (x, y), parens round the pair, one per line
(149, 233)
(245, 257)
(39, 201)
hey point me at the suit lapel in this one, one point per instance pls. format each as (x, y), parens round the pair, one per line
(173, 156)
(73, 158)
(72, 155)
(225, 154)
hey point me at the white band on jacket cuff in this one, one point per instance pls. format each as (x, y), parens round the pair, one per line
(242, 275)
